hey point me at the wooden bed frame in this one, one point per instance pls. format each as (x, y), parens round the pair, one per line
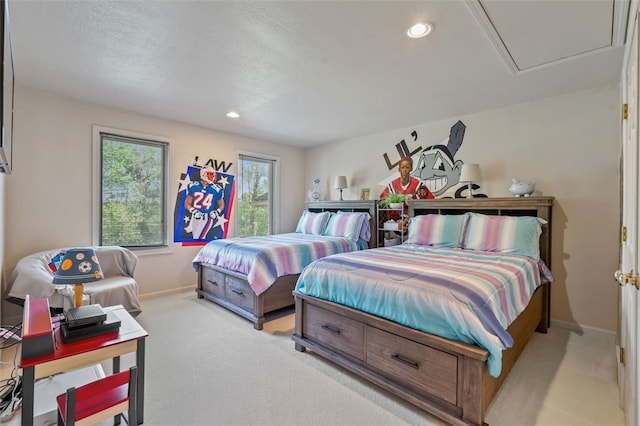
(231, 289)
(446, 378)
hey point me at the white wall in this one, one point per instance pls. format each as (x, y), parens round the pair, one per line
(49, 193)
(568, 145)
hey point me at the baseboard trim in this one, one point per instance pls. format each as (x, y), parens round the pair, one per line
(579, 328)
(166, 292)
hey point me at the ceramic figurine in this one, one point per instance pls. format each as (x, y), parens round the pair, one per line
(315, 194)
(522, 188)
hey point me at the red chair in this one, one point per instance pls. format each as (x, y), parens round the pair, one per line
(100, 400)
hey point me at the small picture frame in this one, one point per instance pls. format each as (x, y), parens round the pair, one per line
(364, 193)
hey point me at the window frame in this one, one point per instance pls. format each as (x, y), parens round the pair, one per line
(97, 186)
(275, 197)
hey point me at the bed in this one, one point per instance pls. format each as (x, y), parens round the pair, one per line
(254, 277)
(449, 377)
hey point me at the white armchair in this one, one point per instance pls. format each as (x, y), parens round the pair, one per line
(33, 276)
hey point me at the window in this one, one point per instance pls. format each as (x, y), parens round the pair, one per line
(131, 187)
(255, 188)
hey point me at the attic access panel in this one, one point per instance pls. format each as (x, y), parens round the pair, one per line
(535, 33)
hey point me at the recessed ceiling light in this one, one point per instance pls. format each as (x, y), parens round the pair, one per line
(419, 30)
(233, 114)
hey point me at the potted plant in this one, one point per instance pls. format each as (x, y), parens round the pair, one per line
(393, 201)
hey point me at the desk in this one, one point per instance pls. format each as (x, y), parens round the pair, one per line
(69, 356)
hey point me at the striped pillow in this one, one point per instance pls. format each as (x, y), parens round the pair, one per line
(347, 225)
(312, 223)
(365, 231)
(436, 230)
(504, 234)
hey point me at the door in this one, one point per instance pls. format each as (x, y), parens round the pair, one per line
(629, 264)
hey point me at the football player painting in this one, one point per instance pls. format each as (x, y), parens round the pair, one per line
(204, 201)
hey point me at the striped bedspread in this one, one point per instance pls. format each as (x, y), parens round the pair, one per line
(464, 295)
(264, 259)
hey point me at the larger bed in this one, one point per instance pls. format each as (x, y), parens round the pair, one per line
(255, 276)
(450, 367)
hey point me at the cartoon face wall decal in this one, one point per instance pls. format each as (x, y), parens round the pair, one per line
(437, 167)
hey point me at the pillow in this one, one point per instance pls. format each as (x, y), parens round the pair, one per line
(504, 234)
(347, 225)
(365, 231)
(312, 223)
(436, 230)
(56, 261)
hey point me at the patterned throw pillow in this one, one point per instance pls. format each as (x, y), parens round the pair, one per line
(436, 230)
(56, 261)
(504, 234)
(312, 223)
(347, 225)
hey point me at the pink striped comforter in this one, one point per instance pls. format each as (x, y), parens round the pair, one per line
(464, 295)
(264, 259)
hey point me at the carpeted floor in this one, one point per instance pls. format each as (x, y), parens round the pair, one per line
(210, 367)
(207, 366)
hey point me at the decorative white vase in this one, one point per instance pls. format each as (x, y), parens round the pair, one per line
(396, 206)
(522, 188)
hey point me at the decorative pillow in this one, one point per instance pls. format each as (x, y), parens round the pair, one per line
(365, 231)
(56, 261)
(312, 223)
(436, 230)
(347, 225)
(504, 234)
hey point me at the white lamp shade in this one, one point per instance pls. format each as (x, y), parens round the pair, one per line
(340, 182)
(470, 173)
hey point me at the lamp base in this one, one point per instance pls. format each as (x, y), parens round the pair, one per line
(78, 290)
(341, 195)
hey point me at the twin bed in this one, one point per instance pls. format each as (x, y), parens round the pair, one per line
(438, 321)
(255, 276)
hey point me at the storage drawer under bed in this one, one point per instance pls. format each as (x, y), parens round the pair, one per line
(212, 281)
(335, 331)
(422, 368)
(240, 293)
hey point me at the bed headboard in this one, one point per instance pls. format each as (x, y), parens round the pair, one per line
(504, 206)
(368, 206)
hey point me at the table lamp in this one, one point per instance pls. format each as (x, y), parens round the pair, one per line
(79, 266)
(470, 173)
(340, 182)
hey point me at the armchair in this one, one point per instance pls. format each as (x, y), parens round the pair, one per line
(33, 275)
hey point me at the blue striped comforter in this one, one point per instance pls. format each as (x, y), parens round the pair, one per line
(264, 259)
(464, 295)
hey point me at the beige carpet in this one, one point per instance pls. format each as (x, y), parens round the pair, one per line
(208, 366)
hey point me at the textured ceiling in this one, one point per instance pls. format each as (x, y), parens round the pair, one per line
(313, 72)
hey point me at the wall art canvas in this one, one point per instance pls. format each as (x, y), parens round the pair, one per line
(203, 205)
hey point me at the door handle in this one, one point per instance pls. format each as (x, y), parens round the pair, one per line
(624, 279)
(618, 276)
